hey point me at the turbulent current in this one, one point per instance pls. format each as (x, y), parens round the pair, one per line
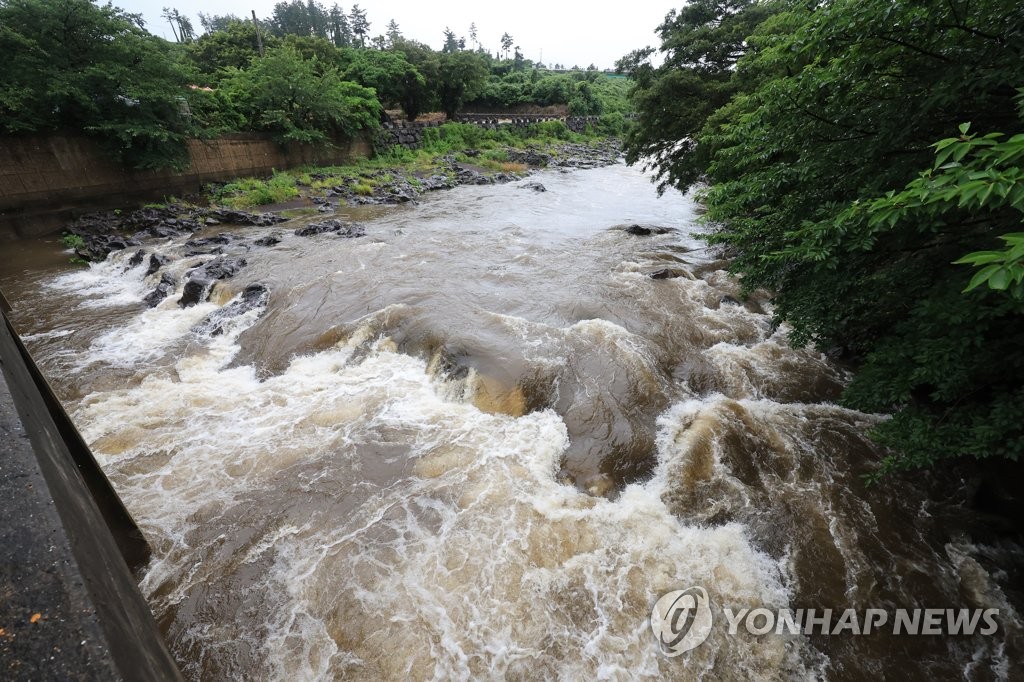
(481, 441)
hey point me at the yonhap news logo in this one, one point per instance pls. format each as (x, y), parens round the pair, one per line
(682, 620)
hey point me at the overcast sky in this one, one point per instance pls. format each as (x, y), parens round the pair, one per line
(564, 32)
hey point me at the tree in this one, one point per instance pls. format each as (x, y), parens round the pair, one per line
(451, 44)
(517, 60)
(394, 34)
(217, 22)
(461, 75)
(181, 26)
(297, 100)
(233, 46)
(126, 90)
(390, 74)
(700, 45)
(473, 35)
(418, 96)
(506, 43)
(814, 151)
(359, 24)
(338, 30)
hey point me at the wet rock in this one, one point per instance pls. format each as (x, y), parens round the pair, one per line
(728, 300)
(136, 260)
(98, 246)
(156, 261)
(160, 232)
(645, 230)
(665, 273)
(340, 227)
(245, 218)
(252, 297)
(205, 245)
(535, 186)
(162, 290)
(201, 280)
(269, 240)
(212, 221)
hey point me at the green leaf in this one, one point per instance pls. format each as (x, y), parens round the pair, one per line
(981, 277)
(981, 258)
(1000, 279)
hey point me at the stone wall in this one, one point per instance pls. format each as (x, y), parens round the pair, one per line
(44, 180)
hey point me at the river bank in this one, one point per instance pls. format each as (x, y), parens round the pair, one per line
(397, 176)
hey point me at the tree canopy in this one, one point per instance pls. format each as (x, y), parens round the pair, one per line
(73, 65)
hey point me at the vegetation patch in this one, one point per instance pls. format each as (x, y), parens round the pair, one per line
(250, 192)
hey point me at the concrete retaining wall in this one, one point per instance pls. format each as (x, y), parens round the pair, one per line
(45, 179)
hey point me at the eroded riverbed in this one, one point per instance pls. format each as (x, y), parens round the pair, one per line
(481, 440)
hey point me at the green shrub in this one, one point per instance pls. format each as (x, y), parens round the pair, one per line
(72, 241)
(249, 192)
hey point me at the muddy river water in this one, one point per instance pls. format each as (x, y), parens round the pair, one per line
(481, 441)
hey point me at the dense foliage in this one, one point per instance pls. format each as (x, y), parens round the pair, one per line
(819, 150)
(307, 73)
(290, 97)
(71, 64)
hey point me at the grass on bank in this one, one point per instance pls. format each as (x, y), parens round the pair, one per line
(364, 175)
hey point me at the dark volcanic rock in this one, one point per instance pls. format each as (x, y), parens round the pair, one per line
(205, 245)
(535, 186)
(244, 218)
(665, 273)
(162, 291)
(136, 260)
(269, 240)
(98, 246)
(645, 230)
(156, 261)
(342, 228)
(436, 182)
(201, 280)
(252, 297)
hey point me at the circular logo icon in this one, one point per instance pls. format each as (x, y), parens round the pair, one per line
(681, 620)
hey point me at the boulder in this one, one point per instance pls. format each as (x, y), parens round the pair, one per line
(162, 291)
(340, 227)
(252, 297)
(200, 280)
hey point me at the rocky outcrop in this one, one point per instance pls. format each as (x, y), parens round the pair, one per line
(643, 230)
(339, 227)
(162, 291)
(199, 281)
(254, 296)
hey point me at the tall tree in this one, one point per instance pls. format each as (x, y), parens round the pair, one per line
(338, 30)
(359, 24)
(473, 35)
(506, 43)
(394, 34)
(451, 43)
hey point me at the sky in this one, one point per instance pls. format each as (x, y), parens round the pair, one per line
(569, 33)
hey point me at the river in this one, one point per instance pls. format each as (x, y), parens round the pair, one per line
(480, 441)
